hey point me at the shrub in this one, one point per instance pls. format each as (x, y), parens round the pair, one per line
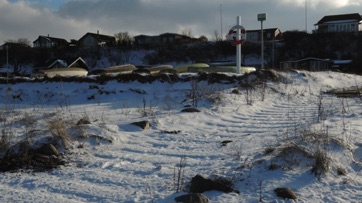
(58, 130)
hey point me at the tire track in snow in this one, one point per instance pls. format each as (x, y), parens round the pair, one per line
(281, 117)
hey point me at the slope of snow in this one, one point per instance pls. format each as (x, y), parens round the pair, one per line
(139, 165)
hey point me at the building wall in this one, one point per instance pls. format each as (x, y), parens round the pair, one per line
(42, 42)
(88, 41)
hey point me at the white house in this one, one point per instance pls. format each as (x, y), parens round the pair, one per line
(340, 23)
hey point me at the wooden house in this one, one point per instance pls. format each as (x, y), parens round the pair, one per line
(96, 40)
(164, 38)
(309, 64)
(339, 23)
(270, 34)
(49, 42)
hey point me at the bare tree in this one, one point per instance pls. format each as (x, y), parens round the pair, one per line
(21, 42)
(187, 32)
(123, 38)
(217, 37)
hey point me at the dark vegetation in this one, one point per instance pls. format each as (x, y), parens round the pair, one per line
(296, 45)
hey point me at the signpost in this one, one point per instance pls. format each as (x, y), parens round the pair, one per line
(261, 18)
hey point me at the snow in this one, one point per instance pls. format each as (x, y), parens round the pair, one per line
(139, 165)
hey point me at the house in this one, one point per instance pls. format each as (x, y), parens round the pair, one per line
(164, 38)
(96, 40)
(62, 63)
(270, 34)
(49, 42)
(13, 45)
(309, 64)
(339, 23)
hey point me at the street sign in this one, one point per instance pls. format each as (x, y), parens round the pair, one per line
(261, 17)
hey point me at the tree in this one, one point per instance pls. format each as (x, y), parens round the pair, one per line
(187, 32)
(217, 37)
(203, 38)
(123, 39)
(19, 53)
(21, 42)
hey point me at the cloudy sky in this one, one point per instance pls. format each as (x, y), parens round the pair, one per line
(71, 19)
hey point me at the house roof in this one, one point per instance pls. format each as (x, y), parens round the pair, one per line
(52, 39)
(353, 17)
(99, 37)
(65, 62)
(309, 59)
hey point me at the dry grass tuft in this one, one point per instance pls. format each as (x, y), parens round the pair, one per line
(58, 130)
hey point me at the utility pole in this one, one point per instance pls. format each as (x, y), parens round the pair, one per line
(221, 34)
(306, 16)
(261, 18)
(7, 63)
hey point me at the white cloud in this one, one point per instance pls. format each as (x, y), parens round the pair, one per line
(28, 19)
(318, 3)
(21, 20)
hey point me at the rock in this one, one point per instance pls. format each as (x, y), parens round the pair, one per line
(190, 110)
(142, 124)
(192, 198)
(48, 150)
(225, 142)
(83, 121)
(200, 185)
(285, 193)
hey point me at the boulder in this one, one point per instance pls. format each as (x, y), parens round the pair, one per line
(142, 124)
(190, 110)
(200, 184)
(48, 150)
(192, 198)
(285, 193)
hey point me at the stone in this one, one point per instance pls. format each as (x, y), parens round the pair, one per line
(285, 193)
(48, 150)
(190, 110)
(200, 184)
(192, 198)
(142, 124)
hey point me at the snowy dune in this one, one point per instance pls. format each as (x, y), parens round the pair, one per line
(126, 164)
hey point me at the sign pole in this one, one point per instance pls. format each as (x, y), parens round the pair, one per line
(261, 18)
(238, 46)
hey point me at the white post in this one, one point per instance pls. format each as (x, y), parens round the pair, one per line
(262, 46)
(273, 51)
(7, 63)
(238, 46)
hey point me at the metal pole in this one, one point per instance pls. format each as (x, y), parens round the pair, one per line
(262, 46)
(7, 63)
(221, 34)
(306, 16)
(238, 46)
(273, 51)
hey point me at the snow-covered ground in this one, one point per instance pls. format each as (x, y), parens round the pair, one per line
(139, 165)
